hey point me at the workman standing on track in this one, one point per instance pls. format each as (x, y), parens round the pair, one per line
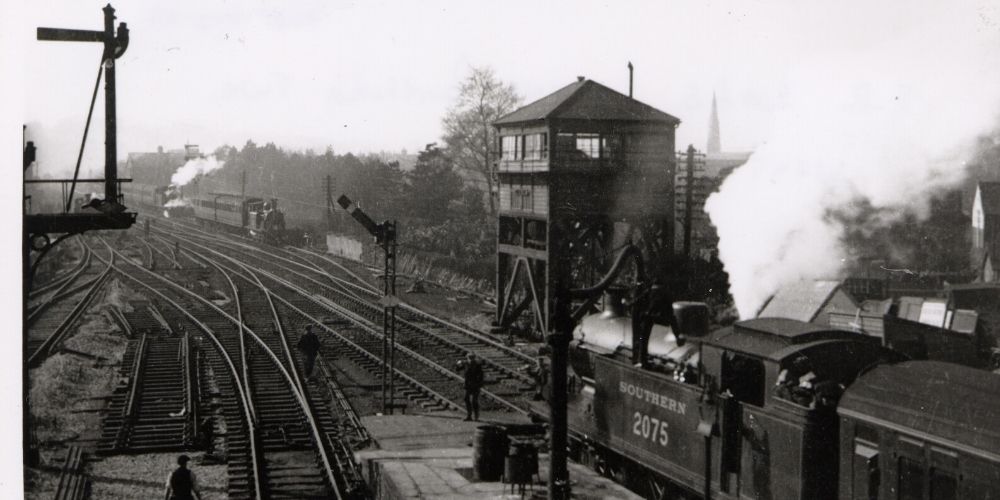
(473, 384)
(182, 483)
(309, 344)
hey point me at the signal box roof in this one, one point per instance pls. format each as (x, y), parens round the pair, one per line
(587, 100)
(951, 404)
(771, 337)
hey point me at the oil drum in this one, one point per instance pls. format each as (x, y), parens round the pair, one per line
(489, 449)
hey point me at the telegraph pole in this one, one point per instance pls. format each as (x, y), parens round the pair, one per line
(688, 200)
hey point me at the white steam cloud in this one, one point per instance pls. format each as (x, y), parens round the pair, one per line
(177, 202)
(888, 126)
(193, 168)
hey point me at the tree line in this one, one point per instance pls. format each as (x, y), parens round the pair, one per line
(442, 202)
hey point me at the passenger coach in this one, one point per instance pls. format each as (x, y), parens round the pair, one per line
(921, 430)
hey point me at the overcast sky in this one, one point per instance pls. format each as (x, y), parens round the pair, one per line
(370, 76)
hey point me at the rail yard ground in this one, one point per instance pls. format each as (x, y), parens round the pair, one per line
(98, 383)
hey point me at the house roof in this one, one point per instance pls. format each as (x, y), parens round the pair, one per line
(953, 403)
(864, 322)
(586, 100)
(800, 301)
(989, 193)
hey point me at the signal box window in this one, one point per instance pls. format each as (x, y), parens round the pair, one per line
(511, 147)
(535, 147)
(611, 146)
(589, 145)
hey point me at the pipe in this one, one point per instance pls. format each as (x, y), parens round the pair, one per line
(629, 251)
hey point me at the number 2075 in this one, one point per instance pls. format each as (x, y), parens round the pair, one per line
(650, 428)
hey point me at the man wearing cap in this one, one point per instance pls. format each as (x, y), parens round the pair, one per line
(473, 384)
(182, 484)
(309, 344)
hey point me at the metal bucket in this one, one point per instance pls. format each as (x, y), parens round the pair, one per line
(488, 452)
(517, 470)
(527, 452)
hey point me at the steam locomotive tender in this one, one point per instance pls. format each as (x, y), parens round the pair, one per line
(751, 411)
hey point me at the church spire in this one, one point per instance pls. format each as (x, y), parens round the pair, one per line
(714, 140)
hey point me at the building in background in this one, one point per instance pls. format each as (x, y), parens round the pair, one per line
(986, 230)
(707, 171)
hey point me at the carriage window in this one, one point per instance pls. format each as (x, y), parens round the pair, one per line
(911, 480)
(943, 485)
(867, 477)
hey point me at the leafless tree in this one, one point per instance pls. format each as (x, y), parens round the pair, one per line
(469, 132)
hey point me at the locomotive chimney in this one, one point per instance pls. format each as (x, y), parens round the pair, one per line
(614, 303)
(691, 318)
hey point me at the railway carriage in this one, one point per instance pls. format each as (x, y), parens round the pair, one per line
(921, 430)
(225, 210)
(144, 195)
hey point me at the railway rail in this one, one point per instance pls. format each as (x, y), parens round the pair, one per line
(420, 333)
(421, 351)
(42, 288)
(265, 384)
(56, 314)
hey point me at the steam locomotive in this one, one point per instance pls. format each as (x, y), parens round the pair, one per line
(774, 408)
(254, 217)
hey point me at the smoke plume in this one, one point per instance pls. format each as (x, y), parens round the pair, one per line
(877, 131)
(193, 168)
(177, 202)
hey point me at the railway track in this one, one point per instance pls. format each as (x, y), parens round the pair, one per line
(156, 408)
(42, 288)
(427, 377)
(289, 444)
(418, 331)
(57, 312)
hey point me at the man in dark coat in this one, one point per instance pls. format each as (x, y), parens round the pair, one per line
(309, 344)
(473, 384)
(182, 483)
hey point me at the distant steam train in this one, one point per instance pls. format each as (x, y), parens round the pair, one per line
(774, 409)
(251, 216)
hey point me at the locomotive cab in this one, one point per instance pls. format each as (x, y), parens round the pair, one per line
(777, 383)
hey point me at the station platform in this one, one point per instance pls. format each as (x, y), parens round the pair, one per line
(431, 456)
